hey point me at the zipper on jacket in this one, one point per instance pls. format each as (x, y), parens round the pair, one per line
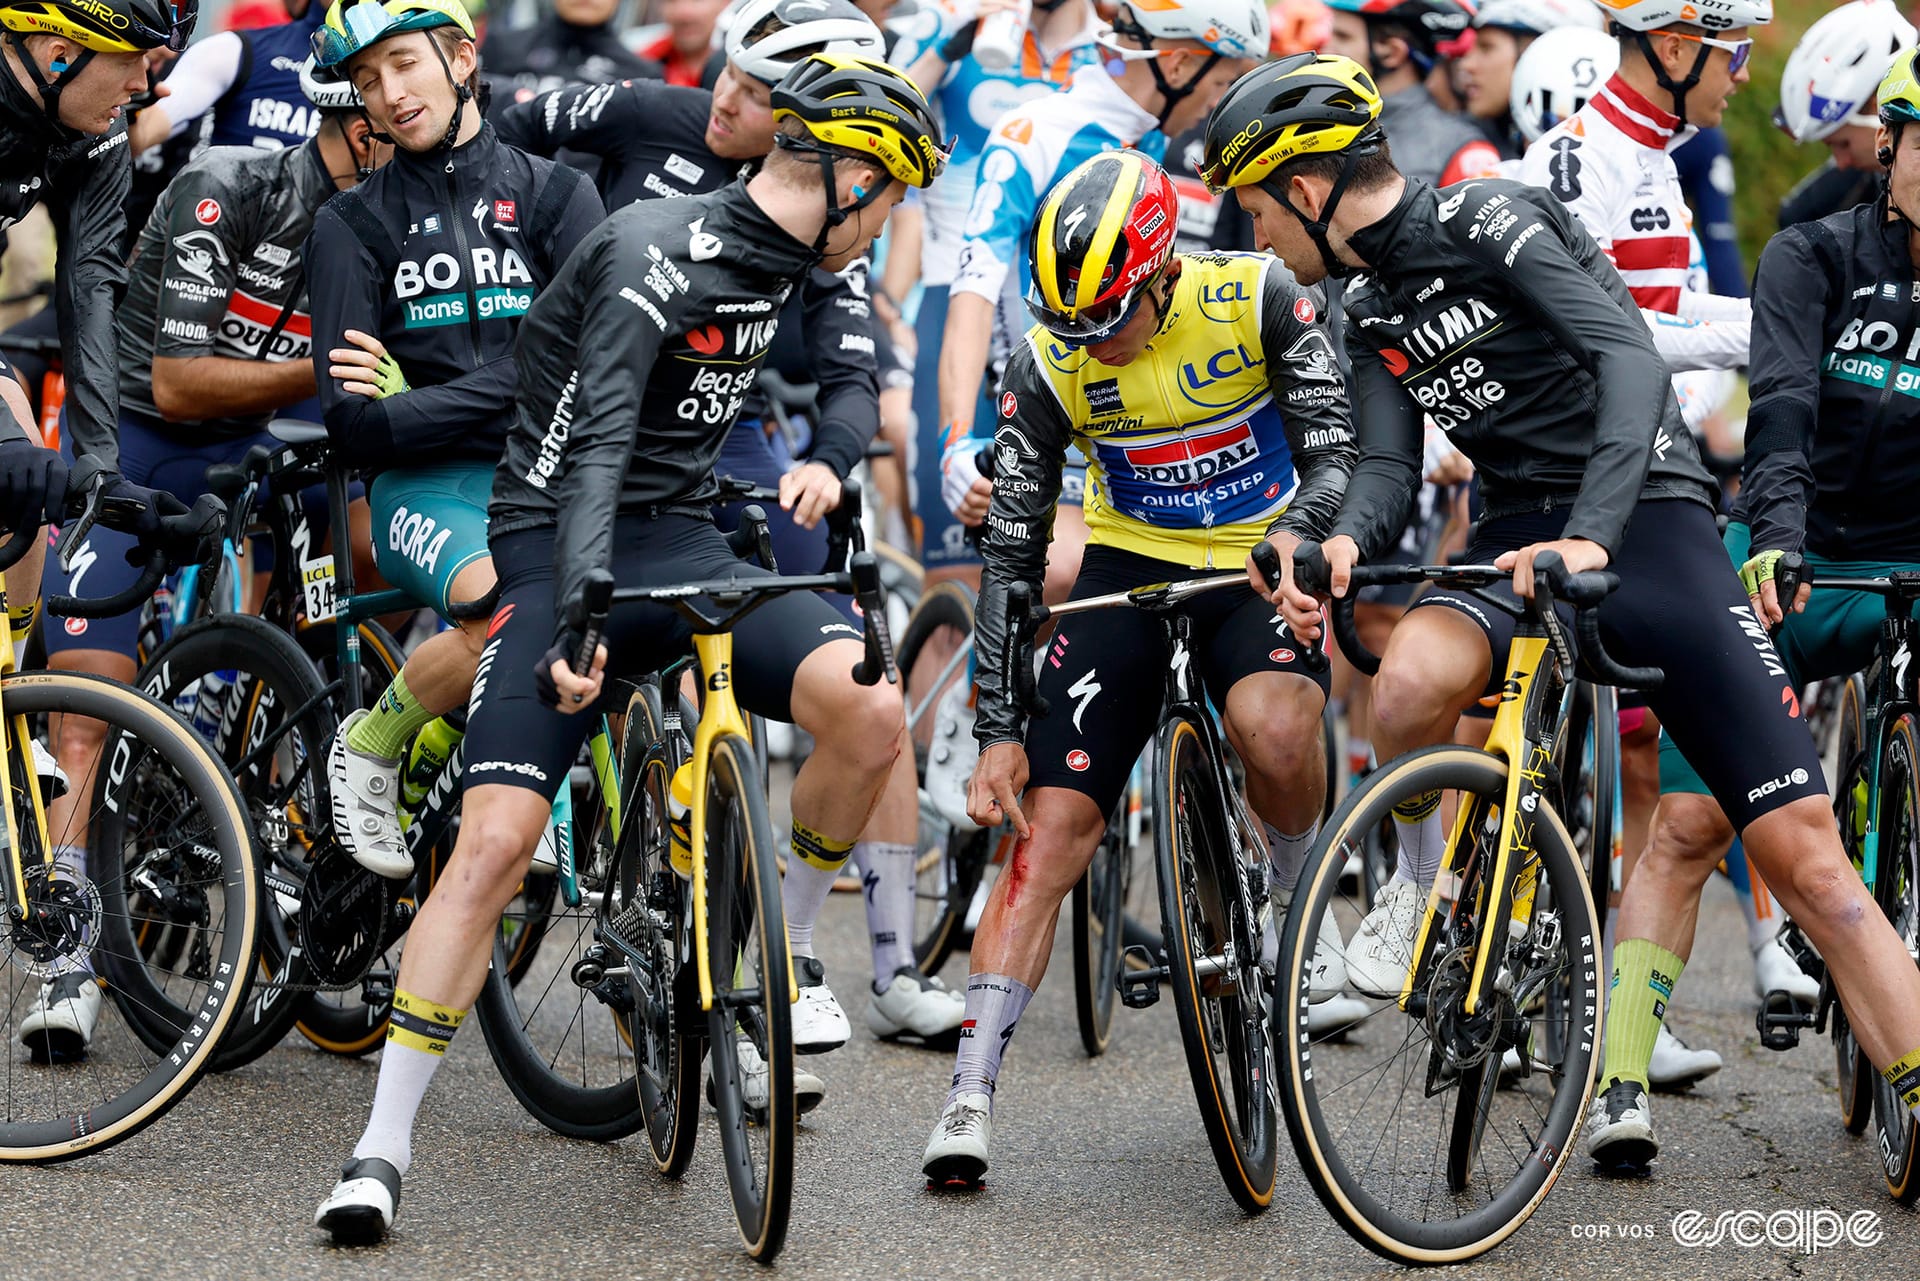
(458, 213)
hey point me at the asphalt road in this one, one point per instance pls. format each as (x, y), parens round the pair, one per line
(1100, 1169)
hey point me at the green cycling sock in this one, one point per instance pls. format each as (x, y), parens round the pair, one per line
(395, 718)
(1644, 974)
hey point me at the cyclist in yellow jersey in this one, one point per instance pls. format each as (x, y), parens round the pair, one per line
(1204, 393)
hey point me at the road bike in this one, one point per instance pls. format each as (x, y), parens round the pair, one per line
(1404, 1132)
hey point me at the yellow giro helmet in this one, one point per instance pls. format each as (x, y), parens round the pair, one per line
(1899, 93)
(864, 110)
(104, 26)
(353, 25)
(1300, 105)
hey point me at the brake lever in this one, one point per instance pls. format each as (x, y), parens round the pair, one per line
(1266, 559)
(90, 478)
(871, 596)
(596, 599)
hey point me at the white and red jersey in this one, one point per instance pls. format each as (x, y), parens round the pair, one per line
(1611, 164)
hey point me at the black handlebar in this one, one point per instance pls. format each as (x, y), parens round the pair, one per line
(596, 598)
(187, 537)
(1017, 656)
(1583, 591)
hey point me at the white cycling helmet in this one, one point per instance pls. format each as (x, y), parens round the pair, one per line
(328, 95)
(1714, 15)
(1230, 28)
(1557, 74)
(1536, 17)
(1833, 72)
(768, 38)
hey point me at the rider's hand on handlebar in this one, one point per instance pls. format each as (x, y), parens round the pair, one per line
(965, 491)
(1299, 609)
(1763, 589)
(1580, 555)
(563, 688)
(1341, 554)
(993, 793)
(809, 491)
(33, 483)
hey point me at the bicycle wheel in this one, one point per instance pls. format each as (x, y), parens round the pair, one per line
(1099, 932)
(259, 705)
(951, 859)
(1399, 1130)
(1213, 965)
(167, 916)
(946, 881)
(1852, 1068)
(752, 998)
(1897, 889)
(562, 1036)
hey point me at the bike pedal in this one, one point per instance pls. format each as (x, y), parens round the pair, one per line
(1780, 1019)
(1139, 978)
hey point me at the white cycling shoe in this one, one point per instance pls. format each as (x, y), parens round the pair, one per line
(1774, 971)
(915, 1007)
(366, 805)
(53, 779)
(956, 1153)
(1676, 1065)
(809, 1091)
(1382, 948)
(59, 1027)
(362, 1204)
(819, 1024)
(1329, 973)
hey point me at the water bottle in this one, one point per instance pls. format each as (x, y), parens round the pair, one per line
(432, 748)
(997, 45)
(680, 820)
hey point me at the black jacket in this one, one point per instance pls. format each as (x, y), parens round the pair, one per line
(523, 61)
(84, 182)
(635, 364)
(1489, 308)
(650, 140)
(1833, 433)
(441, 267)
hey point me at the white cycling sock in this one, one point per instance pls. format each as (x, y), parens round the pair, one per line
(886, 876)
(803, 892)
(1286, 855)
(994, 1005)
(417, 1038)
(1416, 821)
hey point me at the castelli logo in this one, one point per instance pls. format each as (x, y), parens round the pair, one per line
(207, 212)
(1281, 656)
(1077, 761)
(1008, 404)
(1303, 310)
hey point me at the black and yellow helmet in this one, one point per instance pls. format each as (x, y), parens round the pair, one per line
(862, 109)
(1101, 238)
(104, 26)
(1300, 105)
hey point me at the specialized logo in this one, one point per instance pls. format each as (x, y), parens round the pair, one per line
(1193, 460)
(207, 212)
(1082, 692)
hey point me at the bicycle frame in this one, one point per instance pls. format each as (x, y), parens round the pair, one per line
(13, 739)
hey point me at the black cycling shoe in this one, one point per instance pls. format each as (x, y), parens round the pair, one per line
(362, 1204)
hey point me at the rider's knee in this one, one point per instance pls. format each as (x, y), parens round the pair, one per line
(1276, 731)
(1688, 828)
(865, 727)
(492, 860)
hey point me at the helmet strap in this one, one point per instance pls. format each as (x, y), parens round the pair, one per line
(1317, 227)
(49, 89)
(835, 214)
(461, 96)
(1677, 88)
(1172, 94)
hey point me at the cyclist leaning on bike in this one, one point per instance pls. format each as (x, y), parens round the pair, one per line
(648, 327)
(429, 267)
(1826, 449)
(67, 72)
(1204, 392)
(1530, 319)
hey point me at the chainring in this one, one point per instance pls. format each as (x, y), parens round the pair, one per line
(345, 911)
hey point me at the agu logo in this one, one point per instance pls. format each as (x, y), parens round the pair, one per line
(706, 341)
(1790, 701)
(1395, 362)
(1077, 761)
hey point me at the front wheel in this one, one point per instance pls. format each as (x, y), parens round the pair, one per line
(1897, 889)
(165, 914)
(1099, 931)
(1399, 1128)
(750, 1025)
(1854, 1071)
(1213, 964)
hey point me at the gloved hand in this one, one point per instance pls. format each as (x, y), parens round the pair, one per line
(1759, 570)
(1762, 575)
(959, 473)
(33, 484)
(585, 691)
(387, 378)
(135, 509)
(561, 651)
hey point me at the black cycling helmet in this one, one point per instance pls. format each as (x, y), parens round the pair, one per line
(1304, 104)
(1428, 23)
(97, 26)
